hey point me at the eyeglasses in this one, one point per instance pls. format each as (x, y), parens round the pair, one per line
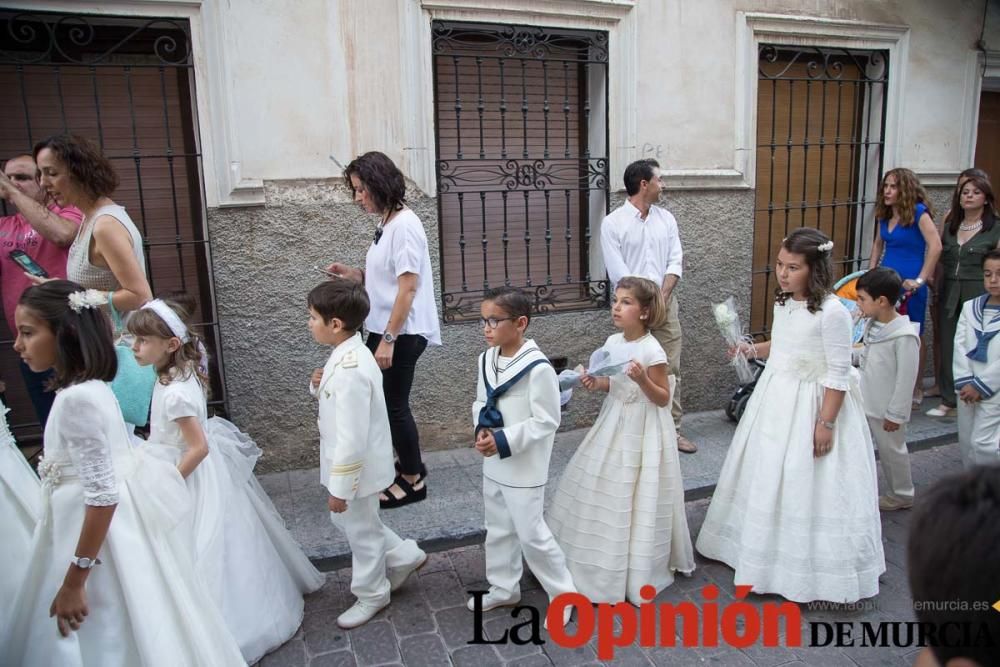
(493, 322)
(378, 233)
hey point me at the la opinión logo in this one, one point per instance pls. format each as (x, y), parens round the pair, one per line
(738, 624)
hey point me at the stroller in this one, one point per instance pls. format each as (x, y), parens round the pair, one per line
(846, 290)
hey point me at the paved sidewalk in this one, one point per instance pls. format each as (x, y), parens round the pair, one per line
(427, 623)
(452, 515)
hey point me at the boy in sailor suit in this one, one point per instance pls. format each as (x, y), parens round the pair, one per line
(888, 366)
(356, 449)
(976, 363)
(516, 414)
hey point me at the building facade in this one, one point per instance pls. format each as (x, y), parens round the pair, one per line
(232, 122)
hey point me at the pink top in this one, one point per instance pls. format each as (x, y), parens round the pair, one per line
(16, 233)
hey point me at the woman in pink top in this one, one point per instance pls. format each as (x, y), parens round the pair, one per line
(44, 231)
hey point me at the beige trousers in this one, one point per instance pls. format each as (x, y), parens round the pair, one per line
(669, 337)
(895, 459)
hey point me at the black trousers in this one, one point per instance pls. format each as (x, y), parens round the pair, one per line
(397, 380)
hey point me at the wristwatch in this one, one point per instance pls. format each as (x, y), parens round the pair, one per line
(85, 563)
(828, 425)
(389, 338)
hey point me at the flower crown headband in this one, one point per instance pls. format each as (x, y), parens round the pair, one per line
(822, 247)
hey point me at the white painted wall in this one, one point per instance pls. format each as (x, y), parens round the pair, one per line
(284, 85)
(316, 78)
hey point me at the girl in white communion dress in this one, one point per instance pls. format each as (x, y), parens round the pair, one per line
(107, 560)
(252, 566)
(20, 506)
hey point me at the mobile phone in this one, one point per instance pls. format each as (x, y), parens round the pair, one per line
(328, 274)
(28, 264)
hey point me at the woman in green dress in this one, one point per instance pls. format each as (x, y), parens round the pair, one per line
(970, 230)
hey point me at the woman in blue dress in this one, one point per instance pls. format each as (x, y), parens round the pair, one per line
(907, 240)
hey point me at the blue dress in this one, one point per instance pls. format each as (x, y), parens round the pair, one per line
(905, 248)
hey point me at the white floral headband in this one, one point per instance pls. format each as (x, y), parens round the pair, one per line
(169, 317)
(822, 247)
(90, 298)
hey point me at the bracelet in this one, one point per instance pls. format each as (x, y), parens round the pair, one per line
(919, 281)
(828, 425)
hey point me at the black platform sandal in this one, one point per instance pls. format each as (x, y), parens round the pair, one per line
(410, 495)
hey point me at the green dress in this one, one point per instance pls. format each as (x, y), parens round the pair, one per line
(963, 280)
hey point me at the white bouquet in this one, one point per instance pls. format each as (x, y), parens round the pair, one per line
(604, 362)
(729, 325)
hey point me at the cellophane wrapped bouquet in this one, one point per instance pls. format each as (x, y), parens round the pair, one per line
(728, 321)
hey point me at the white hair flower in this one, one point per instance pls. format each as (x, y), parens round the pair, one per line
(91, 298)
(825, 247)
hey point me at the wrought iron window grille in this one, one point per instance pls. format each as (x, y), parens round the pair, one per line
(126, 83)
(820, 154)
(522, 170)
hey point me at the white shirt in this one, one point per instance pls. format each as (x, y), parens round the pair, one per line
(649, 248)
(402, 249)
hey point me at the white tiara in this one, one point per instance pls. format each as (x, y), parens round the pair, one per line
(169, 317)
(90, 298)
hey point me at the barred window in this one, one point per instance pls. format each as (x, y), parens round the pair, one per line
(820, 151)
(522, 170)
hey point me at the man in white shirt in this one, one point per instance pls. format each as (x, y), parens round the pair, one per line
(640, 239)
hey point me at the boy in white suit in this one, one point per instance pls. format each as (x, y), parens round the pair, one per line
(516, 414)
(888, 364)
(356, 449)
(976, 363)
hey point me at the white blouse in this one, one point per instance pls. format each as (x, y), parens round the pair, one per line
(402, 249)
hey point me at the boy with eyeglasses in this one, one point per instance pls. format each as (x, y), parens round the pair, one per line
(516, 414)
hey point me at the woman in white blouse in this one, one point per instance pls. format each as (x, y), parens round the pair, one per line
(403, 319)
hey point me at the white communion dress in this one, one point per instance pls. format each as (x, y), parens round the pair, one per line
(146, 603)
(805, 528)
(252, 566)
(20, 507)
(618, 512)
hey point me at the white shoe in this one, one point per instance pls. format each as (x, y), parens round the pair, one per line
(891, 503)
(567, 614)
(494, 599)
(398, 575)
(940, 411)
(359, 614)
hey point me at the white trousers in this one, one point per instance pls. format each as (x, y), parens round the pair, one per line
(374, 547)
(894, 458)
(979, 433)
(514, 526)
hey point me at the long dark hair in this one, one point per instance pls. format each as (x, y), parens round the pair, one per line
(981, 180)
(83, 159)
(85, 348)
(805, 241)
(381, 178)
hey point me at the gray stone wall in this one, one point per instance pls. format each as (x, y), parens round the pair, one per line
(263, 259)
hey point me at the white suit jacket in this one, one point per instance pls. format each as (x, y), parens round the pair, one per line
(984, 376)
(531, 417)
(354, 442)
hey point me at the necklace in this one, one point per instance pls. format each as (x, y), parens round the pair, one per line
(971, 227)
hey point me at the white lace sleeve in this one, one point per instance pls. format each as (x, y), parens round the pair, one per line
(82, 430)
(836, 331)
